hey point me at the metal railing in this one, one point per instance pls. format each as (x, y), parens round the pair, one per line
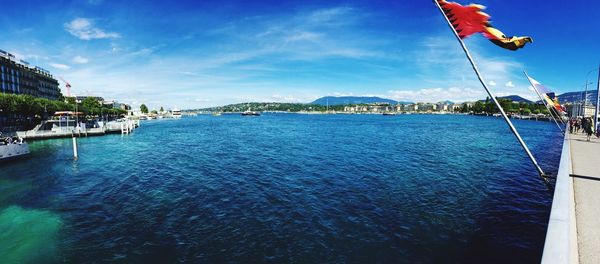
(561, 236)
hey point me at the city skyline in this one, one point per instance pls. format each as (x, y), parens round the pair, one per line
(193, 55)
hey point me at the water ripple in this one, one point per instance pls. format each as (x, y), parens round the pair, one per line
(296, 188)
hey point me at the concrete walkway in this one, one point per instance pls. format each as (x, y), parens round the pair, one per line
(586, 184)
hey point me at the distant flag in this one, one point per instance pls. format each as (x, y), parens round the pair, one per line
(468, 20)
(547, 95)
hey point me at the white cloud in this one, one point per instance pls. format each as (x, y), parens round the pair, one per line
(492, 83)
(60, 66)
(84, 29)
(510, 84)
(303, 36)
(330, 15)
(188, 73)
(142, 52)
(289, 98)
(80, 60)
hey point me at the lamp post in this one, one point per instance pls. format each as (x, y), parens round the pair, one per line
(597, 95)
(587, 82)
(583, 106)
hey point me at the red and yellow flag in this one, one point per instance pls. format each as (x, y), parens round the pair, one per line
(468, 20)
(547, 95)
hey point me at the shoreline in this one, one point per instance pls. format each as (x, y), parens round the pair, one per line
(518, 117)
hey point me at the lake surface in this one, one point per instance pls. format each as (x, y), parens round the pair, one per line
(284, 188)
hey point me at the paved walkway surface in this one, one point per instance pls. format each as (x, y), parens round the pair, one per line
(586, 183)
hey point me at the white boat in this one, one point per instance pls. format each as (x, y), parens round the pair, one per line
(250, 113)
(12, 148)
(176, 113)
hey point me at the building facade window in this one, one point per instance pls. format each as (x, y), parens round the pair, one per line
(2, 74)
(21, 79)
(18, 88)
(12, 78)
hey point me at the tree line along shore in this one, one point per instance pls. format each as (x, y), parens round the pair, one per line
(478, 107)
(25, 111)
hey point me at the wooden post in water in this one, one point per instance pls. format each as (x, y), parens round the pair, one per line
(75, 147)
(491, 95)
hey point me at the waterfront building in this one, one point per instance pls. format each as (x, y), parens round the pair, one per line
(443, 106)
(80, 99)
(410, 107)
(117, 105)
(454, 107)
(19, 77)
(427, 107)
(468, 104)
(578, 110)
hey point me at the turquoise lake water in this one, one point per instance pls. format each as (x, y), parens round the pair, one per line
(284, 188)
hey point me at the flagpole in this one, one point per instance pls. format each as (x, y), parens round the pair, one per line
(545, 103)
(510, 125)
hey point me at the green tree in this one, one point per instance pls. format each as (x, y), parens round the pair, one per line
(162, 109)
(478, 107)
(90, 102)
(70, 100)
(144, 109)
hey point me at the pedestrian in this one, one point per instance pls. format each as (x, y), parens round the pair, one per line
(587, 127)
(571, 124)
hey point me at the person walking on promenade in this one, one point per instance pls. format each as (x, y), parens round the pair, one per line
(587, 127)
(571, 124)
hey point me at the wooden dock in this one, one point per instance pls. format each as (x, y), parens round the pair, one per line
(121, 127)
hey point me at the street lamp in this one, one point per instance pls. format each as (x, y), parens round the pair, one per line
(584, 103)
(597, 96)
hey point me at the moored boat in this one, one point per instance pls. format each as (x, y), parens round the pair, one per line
(250, 113)
(12, 148)
(176, 113)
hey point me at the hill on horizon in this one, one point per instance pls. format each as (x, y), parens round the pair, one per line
(517, 99)
(578, 96)
(514, 98)
(344, 100)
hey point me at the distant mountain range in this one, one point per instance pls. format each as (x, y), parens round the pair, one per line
(516, 99)
(570, 97)
(345, 100)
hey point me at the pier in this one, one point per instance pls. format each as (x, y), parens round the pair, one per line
(124, 127)
(573, 234)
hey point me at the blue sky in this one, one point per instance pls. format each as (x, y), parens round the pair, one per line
(192, 54)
